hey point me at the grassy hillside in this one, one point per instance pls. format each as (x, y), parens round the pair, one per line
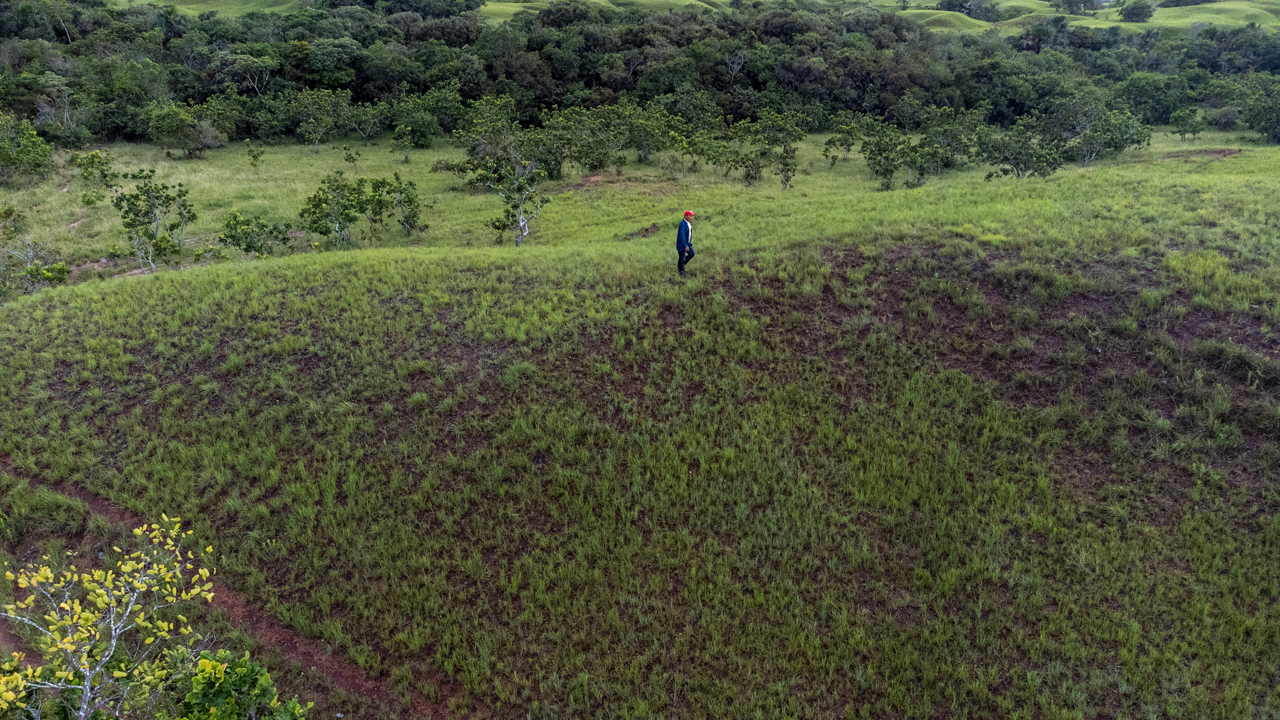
(1226, 14)
(1004, 449)
(598, 211)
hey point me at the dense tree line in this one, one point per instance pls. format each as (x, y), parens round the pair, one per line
(80, 70)
(580, 84)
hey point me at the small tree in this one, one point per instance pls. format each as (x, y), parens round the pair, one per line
(113, 639)
(318, 113)
(1188, 121)
(224, 687)
(775, 137)
(1137, 12)
(331, 210)
(351, 157)
(592, 138)
(847, 129)
(884, 148)
(1261, 106)
(255, 154)
(405, 204)
(252, 235)
(22, 152)
(651, 131)
(367, 120)
(156, 217)
(25, 266)
(173, 126)
(402, 141)
(1021, 151)
(1113, 131)
(955, 132)
(97, 169)
(502, 157)
(373, 203)
(923, 160)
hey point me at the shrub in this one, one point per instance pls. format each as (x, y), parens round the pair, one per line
(156, 217)
(97, 169)
(1137, 12)
(173, 126)
(1188, 122)
(252, 235)
(1021, 151)
(1227, 118)
(331, 209)
(22, 152)
(25, 266)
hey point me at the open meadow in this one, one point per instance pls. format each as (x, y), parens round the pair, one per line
(1224, 13)
(977, 449)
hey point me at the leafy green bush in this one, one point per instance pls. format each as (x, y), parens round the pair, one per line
(252, 235)
(23, 154)
(1137, 12)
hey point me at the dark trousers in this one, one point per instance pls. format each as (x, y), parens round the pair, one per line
(685, 255)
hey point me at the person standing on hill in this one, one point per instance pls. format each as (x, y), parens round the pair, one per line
(684, 242)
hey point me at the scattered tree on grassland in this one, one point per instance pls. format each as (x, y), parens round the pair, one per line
(847, 129)
(1114, 131)
(1188, 121)
(225, 687)
(1022, 151)
(884, 148)
(402, 141)
(97, 169)
(1137, 12)
(255, 154)
(318, 113)
(331, 210)
(374, 202)
(155, 216)
(954, 132)
(502, 156)
(405, 204)
(415, 113)
(254, 236)
(173, 126)
(351, 157)
(1261, 108)
(1076, 7)
(775, 136)
(25, 266)
(1084, 123)
(366, 119)
(651, 129)
(22, 152)
(593, 138)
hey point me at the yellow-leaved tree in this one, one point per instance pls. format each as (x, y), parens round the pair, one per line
(116, 644)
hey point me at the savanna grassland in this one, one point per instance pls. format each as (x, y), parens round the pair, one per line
(978, 449)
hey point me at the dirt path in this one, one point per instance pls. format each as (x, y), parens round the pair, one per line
(269, 631)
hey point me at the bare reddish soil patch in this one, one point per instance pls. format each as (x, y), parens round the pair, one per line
(644, 232)
(99, 266)
(587, 182)
(1215, 154)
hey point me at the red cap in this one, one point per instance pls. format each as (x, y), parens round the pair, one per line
(688, 213)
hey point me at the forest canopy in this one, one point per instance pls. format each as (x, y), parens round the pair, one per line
(82, 70)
